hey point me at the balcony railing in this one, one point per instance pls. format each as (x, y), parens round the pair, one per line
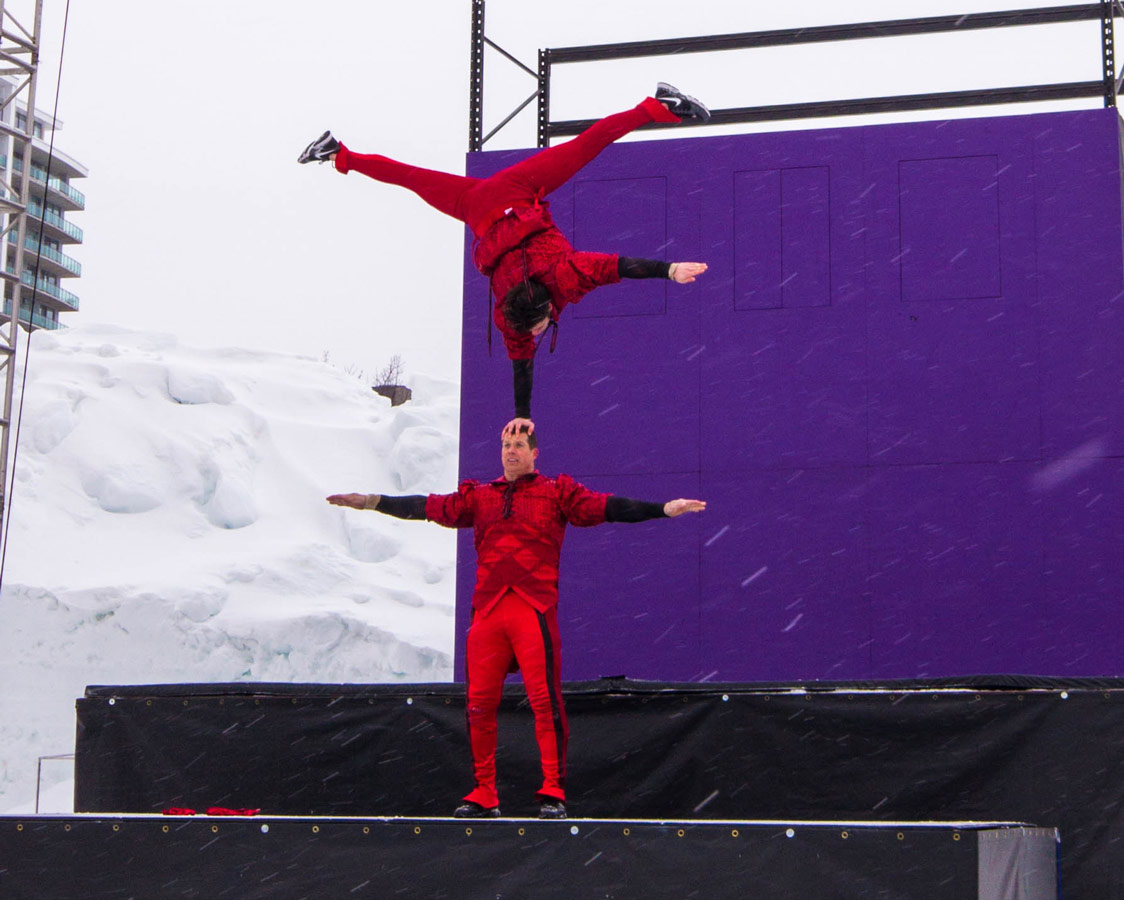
(40, 176)
(35, 209)
(31, 243)
(47, 287)
(39, 319)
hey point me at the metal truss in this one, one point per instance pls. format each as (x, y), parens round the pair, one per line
(19, 59)
(1107, 87)
(476, 137)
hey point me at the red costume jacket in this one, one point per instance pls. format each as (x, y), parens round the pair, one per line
(519, 526)
(567, 273)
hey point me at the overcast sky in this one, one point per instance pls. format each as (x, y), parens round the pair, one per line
(190, 116)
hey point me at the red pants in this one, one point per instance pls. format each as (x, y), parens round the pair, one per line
(476, 200)
(513, 629)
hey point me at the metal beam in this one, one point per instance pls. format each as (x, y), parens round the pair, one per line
(827, 33)
(510, 116)
(902, 102)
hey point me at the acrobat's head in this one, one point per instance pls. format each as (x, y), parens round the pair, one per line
(518, 453)
(527, 307)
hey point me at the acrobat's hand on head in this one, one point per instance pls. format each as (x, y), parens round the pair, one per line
(685, 272)
(516, 425)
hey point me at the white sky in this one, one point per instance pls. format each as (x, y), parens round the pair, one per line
(190, 116)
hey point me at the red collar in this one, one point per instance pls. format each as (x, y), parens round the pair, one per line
(503, 482)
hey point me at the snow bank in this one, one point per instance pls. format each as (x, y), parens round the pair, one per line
(169, 525)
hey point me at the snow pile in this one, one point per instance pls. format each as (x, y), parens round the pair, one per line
(169, 525)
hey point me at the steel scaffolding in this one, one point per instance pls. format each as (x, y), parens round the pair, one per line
(19, 59)
(1107, 87)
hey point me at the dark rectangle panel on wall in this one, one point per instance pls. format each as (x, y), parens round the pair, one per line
(782, 238)
(949, 228)
(952, 293)
(806, 236)
(784, 369)
(757, 240)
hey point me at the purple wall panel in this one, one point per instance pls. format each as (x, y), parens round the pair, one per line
(899, 387)
(620, 585)
(758, 261)
(953, 376)
(784, 575)
(808, 362)
(949, 234)
(637, 227)
(782, 238)
(1081, 310)
(806, 236)
(952, 581)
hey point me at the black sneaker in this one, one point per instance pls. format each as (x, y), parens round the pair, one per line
(470, 810)
(683, 105)
(552, 809)
(320, 149)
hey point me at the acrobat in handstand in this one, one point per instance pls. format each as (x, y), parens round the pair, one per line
(534, 270)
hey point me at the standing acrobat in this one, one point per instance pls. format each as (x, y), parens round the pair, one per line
(534, 270)
(519, 521)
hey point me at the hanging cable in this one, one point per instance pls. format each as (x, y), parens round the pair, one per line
(34, 293)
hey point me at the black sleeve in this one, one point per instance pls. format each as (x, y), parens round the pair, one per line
(524, 370)
(411, 507)
(631, 267)
(622, 509)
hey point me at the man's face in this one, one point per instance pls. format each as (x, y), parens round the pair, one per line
(539, 327)
(517, 456)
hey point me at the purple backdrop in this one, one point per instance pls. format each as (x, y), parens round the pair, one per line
(900, 388)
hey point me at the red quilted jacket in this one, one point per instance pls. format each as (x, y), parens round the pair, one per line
(567, 273)
(519, 526)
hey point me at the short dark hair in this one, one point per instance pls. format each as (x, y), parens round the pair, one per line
(526, 304)
(532, 436)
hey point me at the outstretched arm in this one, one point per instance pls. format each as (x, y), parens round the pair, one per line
(409, 507)
(624, 509)
(679, 272)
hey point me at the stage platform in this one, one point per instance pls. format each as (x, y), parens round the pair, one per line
(99, 858)
(965, 750)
